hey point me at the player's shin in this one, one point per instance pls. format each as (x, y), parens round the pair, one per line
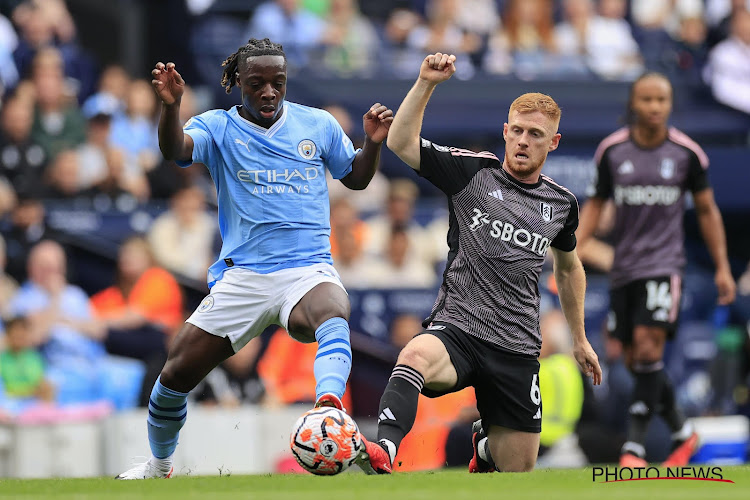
(167, 411)
(333, 362)
(649, 382)
(398, 407)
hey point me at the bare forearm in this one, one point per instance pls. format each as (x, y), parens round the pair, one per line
(590, 214)
(407, 124)
(171, 137)
(364, 166)
(712, 229)
(571, 288)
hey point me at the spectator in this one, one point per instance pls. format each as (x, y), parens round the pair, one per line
(140, 311)
(22, 160)
(119, 188)
(398, 28)
(46, 24)
(603, 44)
(62, 178)
(58, 124)
(98, 111)
(526, 43)
(8, 44)
(135, 131)
(8, 286)
(235, 381)
(728, 70)
(443, 34)
(350, 261)
(345, 218)
(285, 22)
(719, 14)
(478, 16)
(350, 43)
(27, 226)
(182, 237)
(22, 369)
(61, 323)
(396, 269)
(399, 212)
(690, 52)
(114, 82)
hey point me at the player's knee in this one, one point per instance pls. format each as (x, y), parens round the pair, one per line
(174, 377)
(414, 357)
(526, 465)
(647, 352)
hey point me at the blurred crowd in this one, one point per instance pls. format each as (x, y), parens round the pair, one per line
(75, 132)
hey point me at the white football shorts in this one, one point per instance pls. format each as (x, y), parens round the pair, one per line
(243, 303)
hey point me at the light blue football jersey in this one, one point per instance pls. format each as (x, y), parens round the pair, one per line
(271, 185)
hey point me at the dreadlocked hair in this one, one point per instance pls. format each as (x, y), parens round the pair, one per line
(253, 47)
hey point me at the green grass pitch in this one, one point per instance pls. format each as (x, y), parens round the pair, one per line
(573, 484)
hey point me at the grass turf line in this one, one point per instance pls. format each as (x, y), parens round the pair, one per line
(573, 484)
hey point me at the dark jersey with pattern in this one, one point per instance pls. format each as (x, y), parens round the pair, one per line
(499, 233)
(648, 187)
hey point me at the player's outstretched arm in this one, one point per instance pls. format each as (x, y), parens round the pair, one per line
(403, 138)
(571, 287)
(376, 123)
(712, 229)
(169, 87)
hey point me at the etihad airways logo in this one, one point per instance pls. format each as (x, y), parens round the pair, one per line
(285, 178)
(536, 242)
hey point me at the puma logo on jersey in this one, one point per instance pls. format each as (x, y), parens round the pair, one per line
(480, 219)
(244, 143)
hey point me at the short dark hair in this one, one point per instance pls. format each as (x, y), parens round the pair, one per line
(629, 114)
(253, 47)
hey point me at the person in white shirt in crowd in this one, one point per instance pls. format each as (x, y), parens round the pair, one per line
(728, 70)
(604, 44)
(182, 237)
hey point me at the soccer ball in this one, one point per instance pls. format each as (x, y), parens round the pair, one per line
(325, 441)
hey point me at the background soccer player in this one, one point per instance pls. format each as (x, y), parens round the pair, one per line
(647, 168)
(483, 330)
(267, 158)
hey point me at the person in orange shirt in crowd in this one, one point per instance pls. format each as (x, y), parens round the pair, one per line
(286, 369)
(141, 311)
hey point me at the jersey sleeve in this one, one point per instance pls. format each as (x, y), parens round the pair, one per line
(198, 129)
(451, 169)
(566, 238)
(603, 187)
(339, 153)
(697, 178)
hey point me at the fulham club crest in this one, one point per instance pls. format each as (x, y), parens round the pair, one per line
(546, 212)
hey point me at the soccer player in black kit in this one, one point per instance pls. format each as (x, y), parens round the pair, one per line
(483, 330)
(646, 168)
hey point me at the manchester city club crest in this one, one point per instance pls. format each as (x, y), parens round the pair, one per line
(207, 304)
(306, 149)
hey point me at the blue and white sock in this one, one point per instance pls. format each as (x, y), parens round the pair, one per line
(333, 361)
(167, 412)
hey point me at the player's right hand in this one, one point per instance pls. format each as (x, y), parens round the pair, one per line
(588, 361)
(167, 83)
(437, 67)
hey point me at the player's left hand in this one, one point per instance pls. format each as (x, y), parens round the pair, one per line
(588, 361)
(377, 121)
(725, 286)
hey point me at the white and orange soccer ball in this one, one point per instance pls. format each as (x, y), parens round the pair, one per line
(325, 441)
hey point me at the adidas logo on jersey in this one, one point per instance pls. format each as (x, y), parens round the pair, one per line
(538, 414)
(625, 168)
(497, 194)
(386, 414)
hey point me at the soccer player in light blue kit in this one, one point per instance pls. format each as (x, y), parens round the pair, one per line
(268, 159)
